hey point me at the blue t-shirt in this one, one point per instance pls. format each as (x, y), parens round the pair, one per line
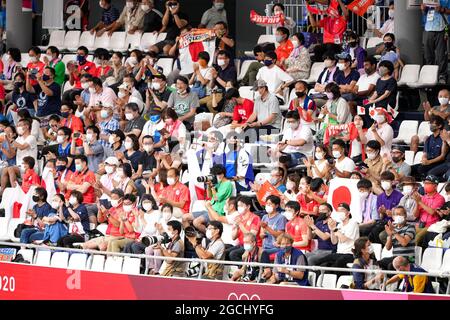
(433, 146)
(43, 211)
(12, 161)
(324, 244)
(341, 79)
(277, 223)
(83, 213)
(48, 105)
(23, 100)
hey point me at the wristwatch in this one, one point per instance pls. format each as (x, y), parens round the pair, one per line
(335, 230)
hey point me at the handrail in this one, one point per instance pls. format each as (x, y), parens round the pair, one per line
(444, 274)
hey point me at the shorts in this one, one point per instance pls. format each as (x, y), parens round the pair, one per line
(160, 45)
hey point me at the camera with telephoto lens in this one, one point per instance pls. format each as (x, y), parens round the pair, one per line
(33, 73)
(149, 241)
(207, 178)
(191, 232)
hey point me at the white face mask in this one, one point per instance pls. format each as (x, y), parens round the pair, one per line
(170, 234)
(170, 181)
(85, 85)
(289, 215)
(372, 155)
(111, 139)
(33, 59)
(379, 118)
(60, 139)
(341, 66)
(269, 209)
(398, 220)
(167, 216)
(130, 5)
(209, 234)
(109, 169)
(364, 195)
(73, 201)
(91, 90)
(156, 85)
(129, 116)
(20, 131)
(211, 145)
(338, 216)
(371, 249)
(241, 210)
(294, 126)
(55, 205)
(391, 13)
(49, 57)
(128, 208)
(386, 185)
(443, 101)
(147, 206)
(89, 137)
(148, 148)
(319, 155)
(145, 7)
(290, 185)
(121, 95)
(114, 203)
(407, 190)
(219, 5)
(248, 247)
(336, 154)
(128, 145)
(295, 43)
(221, 62)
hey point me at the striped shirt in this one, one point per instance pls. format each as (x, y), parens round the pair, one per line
(409, 250)
(106, 127)
(110, 15)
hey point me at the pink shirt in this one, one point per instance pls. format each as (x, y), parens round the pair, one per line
(106, 97)
(435, 202)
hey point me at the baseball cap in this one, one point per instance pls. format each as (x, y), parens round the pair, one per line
(259, 83)
(159, 75)
(112, 161)
(118, 133)
(345, 206)
(390, 56)
(155, 110)
(344, 56)
(407, 180)
(432, 179)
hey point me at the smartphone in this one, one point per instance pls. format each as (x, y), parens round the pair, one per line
(105, 203)
(76, 135)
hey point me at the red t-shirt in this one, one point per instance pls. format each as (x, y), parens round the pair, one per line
(80, 178)
(113, 230)
(87, 67)
(131, 218)
(252, 222)
(301, 107)
(333, 29)
(101, 71)
(30, 178)
(307, 205)
(76, 125)
(39, 66)
(178, 192)
(296, 227)
(284, 50)
(242, 112)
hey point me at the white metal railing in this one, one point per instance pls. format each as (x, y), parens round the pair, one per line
(323, 270)
(296, 9)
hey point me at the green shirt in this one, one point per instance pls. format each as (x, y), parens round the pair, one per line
(224, 191)
(60, 70)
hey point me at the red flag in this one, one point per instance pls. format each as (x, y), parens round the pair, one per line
(266, 20)
(360, 7)
(339, 131)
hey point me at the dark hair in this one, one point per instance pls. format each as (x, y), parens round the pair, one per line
(127, 169)
(308, 179)
(26, 121)
(360, 245)
(233, 200)
(339, 142)
(20, 75)
(390, 35)
(284, 31)
(293, 205)
(169, 113)
(176, 225)
(217, 225)
(84, 49)
(257, 49)
(278, 5)
(223, 23)
(218, 169)
(36, 50)
(54, 117)
(177, 172)
(78, 195)
(102, 53)
(388, 65)
(224, 53)
(185, 81)
(232, 93)
(364, 183)
(245, 200)
(371, 59)
(138, 53)
(96, 81)
(42, 193)
(272, 55)
(54, 49)
(300, 37)
(95, 129)
(29, 161)
(329, 55)
(293, 114)
(62, 159)
(387, 175)
(149, 197)
(274, 199)
(167, 205)
(15, 54)
(373, 144)
(326, 204)
(344, 205)
(132, 106)
(135, 140)
(130, 196)
(316, 184)
(204, 55)
(52, 71)
(81, 157)
(437, 121)
(87, 76)
(148, 137)
(118, 54)
(67, 131)
(334, 89)
(118, 192)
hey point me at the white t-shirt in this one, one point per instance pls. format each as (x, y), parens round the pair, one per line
(31, 151)
(274, 77)
(387, 134)
(151, 219)
(388, 27)
(228, 229)
(350, 230)
(106, 97)
(302, 132)
(365, 81)
(346, 164)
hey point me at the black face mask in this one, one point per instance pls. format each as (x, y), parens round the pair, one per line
(36, 198)
(368, 71)
(396, 159)
(388, 45)
(300, 94)
(322, 216)
(18, 85)
(353, 44)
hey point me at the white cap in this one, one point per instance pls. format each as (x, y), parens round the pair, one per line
(112, 161)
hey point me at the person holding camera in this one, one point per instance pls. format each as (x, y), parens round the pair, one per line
(250, 254)
(48, 92)
(211, 248)
(175, 248)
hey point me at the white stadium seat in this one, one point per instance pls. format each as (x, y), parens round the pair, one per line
(77, 261)
(445, 266)
(424, 131)
(246, 92)
(148, 39)
(98, 262)
(198, 206)
(327, 280)
(131, 265)
(43, 258)
(410, 74)
(102, 42)
(86, 39)
(166, 64)
(71, 41)
(133, 41)
(27, 254)
(113, 264)
(432, 259)
(161, 37)
(267, 38)
(377, 249)
(102, 228)
(409, 157)
(344, 280)
(408, 128)
(316, 69)
(418, 157)
(12, 225)
(117, 41)
(373, 42)
(56, 39)
(386, 253)
(428, 77)
(244, 68)
(4, 222)
(59, 260)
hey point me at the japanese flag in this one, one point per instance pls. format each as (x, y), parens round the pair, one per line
(189, 54)
(346, 190)
(361, 110)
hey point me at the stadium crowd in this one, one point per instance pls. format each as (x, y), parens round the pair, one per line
(126, 147)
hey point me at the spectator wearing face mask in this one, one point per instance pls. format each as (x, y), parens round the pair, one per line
(440, 227)
(83, 66)
(250, 76)
(353, 48)
(409, 186)
(292, 188)
(386, 88)
(77, 218)
(52, 60)
(214, 15)
(305, 106)
(399, 166)
(105, 183)
(152, 17)
(35, 67)
(342, 166)
(135, 123)
(369, 210)
(48, 92)
(108, 125)
(91, 148)
(159, 93)
(297, 227)
(285, 47)
(376, 164)
(40, 210)
(328, 74)
(175, 248)
(223, 39)
(347, 77)
(228, 220)
(366, 84)
(381, 131)
(109, 15)
(251, 253)
(131, 19)
(298, 63)
(126, 227)
(401, 237)
(320, 231)
(184, 102)
(21, 98)
(176, 194)
(336, 110)
(365, 259)
(319, 167)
